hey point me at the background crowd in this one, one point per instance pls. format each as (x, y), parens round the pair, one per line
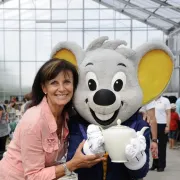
(163, 114)
(11, 112)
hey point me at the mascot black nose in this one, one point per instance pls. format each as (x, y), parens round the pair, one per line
(104, 97)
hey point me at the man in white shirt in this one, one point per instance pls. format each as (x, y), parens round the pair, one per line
(148, 112)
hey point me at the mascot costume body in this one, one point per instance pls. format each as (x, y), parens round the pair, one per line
(114, 82)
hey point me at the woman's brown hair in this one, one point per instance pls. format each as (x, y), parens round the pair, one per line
(47, 72)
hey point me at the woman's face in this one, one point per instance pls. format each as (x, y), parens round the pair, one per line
(59, 90)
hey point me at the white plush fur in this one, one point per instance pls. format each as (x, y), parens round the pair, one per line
(73, 47)
(97, 43)
(146, 47)
(105, 60)
(101, 62)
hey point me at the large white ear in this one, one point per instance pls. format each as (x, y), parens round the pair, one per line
(155, 67)
(69, 51)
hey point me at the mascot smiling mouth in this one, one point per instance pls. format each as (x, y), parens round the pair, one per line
(104, 119)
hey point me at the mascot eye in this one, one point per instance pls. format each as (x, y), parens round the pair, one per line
(118, 81)
(91, 81)
(92, 85)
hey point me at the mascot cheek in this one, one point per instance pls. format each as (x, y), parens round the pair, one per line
(81, 105)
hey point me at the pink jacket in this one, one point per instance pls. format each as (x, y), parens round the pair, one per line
(35, 147)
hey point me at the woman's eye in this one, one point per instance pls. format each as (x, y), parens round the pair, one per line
(67, 81)
(53, 82)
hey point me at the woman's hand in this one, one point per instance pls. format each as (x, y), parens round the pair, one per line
(79, 161)
(84, 161)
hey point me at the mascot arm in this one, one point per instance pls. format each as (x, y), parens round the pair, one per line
(95, 141)
(75, 138)
(139, 168)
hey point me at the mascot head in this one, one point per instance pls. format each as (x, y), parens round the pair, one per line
(114, 81)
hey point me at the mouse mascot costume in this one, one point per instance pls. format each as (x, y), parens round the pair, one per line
(114, 82)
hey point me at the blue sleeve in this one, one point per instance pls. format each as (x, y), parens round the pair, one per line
(141, 173)
(178, 107)
(75, 138)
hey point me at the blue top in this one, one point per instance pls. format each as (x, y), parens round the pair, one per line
(114, 170)
(178, 106)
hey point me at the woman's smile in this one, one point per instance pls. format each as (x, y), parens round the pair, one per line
(61, 96)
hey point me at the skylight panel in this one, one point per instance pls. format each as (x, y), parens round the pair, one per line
(146, 4)
(160, 23)
(169, 13)
(136, 12)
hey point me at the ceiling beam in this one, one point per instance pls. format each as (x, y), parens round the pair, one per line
(171, 30)
(150, 13)
(132, 16)
(4, 1)
(148, 23)
(167, 4)
(172, 33)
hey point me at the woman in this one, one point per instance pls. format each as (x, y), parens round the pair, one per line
(40, 139)
(4, 130)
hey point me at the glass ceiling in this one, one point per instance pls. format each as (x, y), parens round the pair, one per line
(30, 28)
(161, 14)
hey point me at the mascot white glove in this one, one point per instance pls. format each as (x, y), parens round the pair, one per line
(95, 141)
(135, 152)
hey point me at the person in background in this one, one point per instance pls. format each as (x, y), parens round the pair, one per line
(162, 113)
(25, 106)
(173, 126)
(14, 103)
(148, 112)
(178, 106)
(4, 130)
(6, 102)
(12, 111)
(22, 106)
(172, 99)
(41, 137)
